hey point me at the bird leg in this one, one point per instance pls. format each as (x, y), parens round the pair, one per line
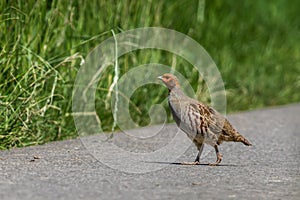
(219, 157)
(197, 160)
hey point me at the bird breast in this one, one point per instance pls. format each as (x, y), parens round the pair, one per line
(181, 117)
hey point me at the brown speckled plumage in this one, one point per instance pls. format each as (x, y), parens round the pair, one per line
(201, 123)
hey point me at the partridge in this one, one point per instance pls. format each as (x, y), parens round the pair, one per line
(201, 123)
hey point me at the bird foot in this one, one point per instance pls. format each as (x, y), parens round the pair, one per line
(191, 163)
(219, 159)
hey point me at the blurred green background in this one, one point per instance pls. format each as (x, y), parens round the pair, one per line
(255, 44)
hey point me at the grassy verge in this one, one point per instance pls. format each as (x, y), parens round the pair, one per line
(42, 43)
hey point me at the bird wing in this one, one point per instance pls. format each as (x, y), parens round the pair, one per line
(204, 120)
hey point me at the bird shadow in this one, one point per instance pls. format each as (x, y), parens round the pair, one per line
(201, 164)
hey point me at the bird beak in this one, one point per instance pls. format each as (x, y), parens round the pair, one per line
(160, 77)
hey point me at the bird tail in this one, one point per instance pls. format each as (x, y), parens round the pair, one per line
(245, 141)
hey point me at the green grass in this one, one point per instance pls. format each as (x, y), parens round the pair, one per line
(42, 43)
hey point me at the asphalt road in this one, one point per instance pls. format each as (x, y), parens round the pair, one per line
(148, 168)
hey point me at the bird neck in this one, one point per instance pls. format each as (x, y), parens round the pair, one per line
(176, 91)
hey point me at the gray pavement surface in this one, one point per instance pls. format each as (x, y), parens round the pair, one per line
(73, 169)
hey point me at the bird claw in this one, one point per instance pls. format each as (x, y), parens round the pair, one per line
(219, 159)
(191, 163)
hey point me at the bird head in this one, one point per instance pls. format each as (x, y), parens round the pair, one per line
(169, 80)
